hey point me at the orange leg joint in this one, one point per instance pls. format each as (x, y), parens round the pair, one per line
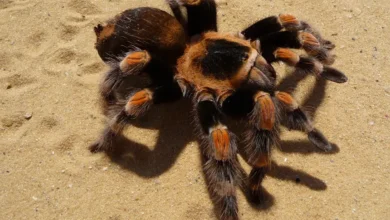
(267, 111)
(134, 59)
(221, 141)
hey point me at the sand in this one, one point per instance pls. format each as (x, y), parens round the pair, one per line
(49, 114)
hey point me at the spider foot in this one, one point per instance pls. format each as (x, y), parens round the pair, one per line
(319, 140)
(256, 177)
(103, 143)
(96, 147)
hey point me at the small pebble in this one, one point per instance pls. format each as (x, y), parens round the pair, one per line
(285, 159)
(70, 185)
(90, 167)
(105, 168)
(34, 198)
(28, 115)
(8, 86)
(371, 123)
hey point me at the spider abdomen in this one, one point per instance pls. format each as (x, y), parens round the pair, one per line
(142, 28)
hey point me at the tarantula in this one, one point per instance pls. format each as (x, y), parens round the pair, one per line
(224, 75)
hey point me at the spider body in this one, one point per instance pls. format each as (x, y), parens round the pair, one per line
(224, 75)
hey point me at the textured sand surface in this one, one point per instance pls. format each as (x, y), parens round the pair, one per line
(50, 69)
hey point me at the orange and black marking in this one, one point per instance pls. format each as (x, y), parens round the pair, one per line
(139, 102)
(218, 62)
(140, 98)
(287, 19)
(138, 58)
(287, 56)
(221, 142)
(287, 100)
(267, 111)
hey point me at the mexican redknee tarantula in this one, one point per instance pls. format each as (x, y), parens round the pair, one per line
(224, 75)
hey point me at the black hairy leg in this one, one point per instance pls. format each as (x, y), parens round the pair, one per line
(221, 167)
(119, 115)
(296, 40)
(283, 21)
(309, 65)
(175, 7)
(123, 111)
(270, 25)
(297, 119)
(297, 34)
(259, 141)
(201, 15)
(132, 64)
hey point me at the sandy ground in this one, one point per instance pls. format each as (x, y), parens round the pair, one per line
(49, 68)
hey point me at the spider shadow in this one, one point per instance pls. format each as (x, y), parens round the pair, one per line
(176, 130)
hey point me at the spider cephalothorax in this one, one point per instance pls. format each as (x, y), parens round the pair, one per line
(224, 75)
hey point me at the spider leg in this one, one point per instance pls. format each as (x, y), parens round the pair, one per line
(132, 64)
(201, 15)
(123, 111)
(221, 167)
(260, 139)
(283, 21)
(175, 7)
(298, 120)
(308, 65)
(297, 40)
(297, 34)
(270, 25)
